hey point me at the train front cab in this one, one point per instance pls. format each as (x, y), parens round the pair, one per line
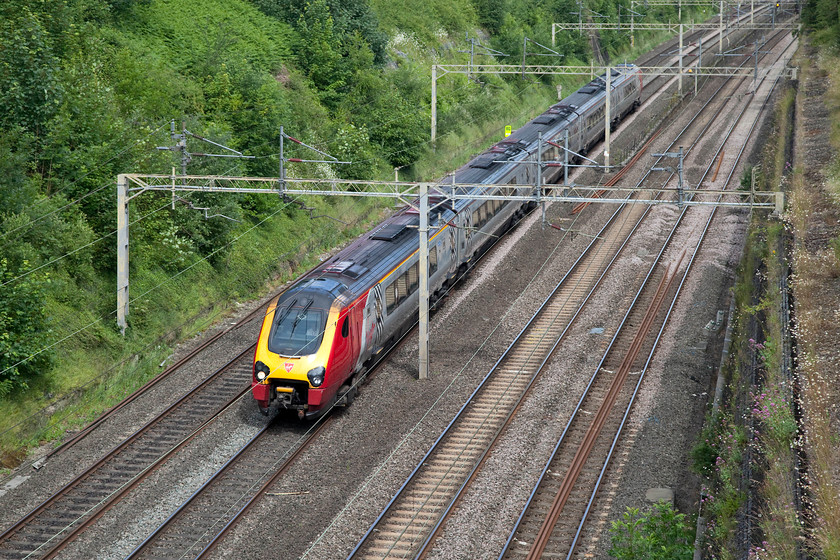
(307, 348)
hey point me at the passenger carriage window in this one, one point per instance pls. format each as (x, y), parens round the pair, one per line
(391, 297)
(345, 327)
(433, 261)
(414, 278)
(402, 286)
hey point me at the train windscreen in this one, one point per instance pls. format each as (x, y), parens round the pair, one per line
(299, 323)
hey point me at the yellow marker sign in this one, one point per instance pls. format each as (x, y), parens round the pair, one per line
(507, 131)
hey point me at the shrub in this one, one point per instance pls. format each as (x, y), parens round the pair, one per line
(659, 534)
(23, 329)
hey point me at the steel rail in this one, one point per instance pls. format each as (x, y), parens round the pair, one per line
(320, 425)
(56, 499)
(161, 532)
(651, 353)
(696, 250)
(478, 389)
(153, 382)
(409, 480)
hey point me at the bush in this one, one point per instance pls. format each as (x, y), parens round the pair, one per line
(23, 328)
(659, 534)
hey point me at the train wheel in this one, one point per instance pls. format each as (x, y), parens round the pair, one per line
(347, 395)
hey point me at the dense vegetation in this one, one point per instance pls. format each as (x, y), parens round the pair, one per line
(88, 89)
(823, 17)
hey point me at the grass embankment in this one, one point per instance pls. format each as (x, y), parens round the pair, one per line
(178, 294)
(749, 448)
(814, 212)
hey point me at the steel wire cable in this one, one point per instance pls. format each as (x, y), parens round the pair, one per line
(162, 283)
(76, 250)
(89, 193)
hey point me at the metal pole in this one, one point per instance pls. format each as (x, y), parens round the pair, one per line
(607, 122)
(472, 55)
(566, 162)
(122, 252)
(539, 176)
(680, 187)
(720, 32)
(580, 16)
(524, 50)
(679, 81)
(183, 146)
(424, 282)
(553, 34)
(282, 175)
(699, 65)
(752, 10)
(434, 103)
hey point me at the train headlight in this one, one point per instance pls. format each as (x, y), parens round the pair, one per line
(316, 376)
(261, 371)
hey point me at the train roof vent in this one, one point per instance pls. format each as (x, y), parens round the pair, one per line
(347, 268)
(589, 89)
(338, 267)
(484, 162)
(547, 118)
(389, 232)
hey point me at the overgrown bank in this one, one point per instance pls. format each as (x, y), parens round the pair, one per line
(748, 450)
(814, 218)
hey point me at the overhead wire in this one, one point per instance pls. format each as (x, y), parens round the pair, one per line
(109, 160)
(113, 313)
(31, 223)
(74, 251)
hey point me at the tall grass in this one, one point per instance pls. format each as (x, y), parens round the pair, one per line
(817, 332)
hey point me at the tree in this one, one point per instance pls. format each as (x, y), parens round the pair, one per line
(30, 91)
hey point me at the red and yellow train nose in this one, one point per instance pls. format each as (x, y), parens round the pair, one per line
(290, 362)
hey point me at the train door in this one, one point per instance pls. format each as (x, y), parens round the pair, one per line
(372, 325)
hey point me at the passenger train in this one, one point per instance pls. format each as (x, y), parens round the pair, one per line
(324, 332)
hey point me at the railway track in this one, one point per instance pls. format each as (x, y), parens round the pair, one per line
(553, 522)
(191, 530)
(44, 531)
(411, 520)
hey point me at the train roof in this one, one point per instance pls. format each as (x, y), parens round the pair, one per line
(369, 258)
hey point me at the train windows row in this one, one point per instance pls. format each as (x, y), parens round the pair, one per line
(483, 213)
(594, 118)
(407, 283)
